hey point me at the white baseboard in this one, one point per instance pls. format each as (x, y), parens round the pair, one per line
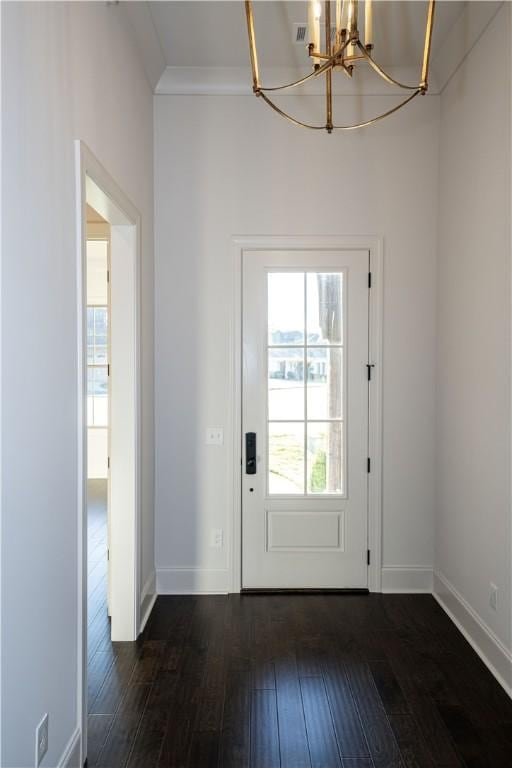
(480, 636)
(197, 581)
(71, 755)
(147, 600)
(149, 587)
(192, 581)
(145, 610)
(407, 578)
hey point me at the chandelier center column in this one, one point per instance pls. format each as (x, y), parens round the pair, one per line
(328, 74)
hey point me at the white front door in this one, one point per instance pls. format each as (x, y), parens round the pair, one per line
(305, 419)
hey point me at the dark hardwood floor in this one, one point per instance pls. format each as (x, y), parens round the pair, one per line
(378, 681)
(100, 654)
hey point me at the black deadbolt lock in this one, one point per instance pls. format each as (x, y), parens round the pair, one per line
(250, 453)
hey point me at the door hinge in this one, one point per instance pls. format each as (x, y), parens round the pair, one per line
(367, 557)
(108, 369)
(108, 554)
(368, 464)
(108, 462)
(369, 367)
(369, 279)
(108, 275)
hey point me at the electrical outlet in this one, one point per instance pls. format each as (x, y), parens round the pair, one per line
(217, 538)
(493, 596)
(41, 740)
(214, 436)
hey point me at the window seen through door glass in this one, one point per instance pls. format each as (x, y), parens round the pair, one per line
(286, 383)
(305, 379)
(97, 366)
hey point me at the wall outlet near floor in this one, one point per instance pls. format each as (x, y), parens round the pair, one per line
(214, 436)
(493, 596)
(41, 740)
(217, 538)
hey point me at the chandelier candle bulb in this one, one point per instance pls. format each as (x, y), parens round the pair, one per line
(338, 24)
(368, 24)
(311, 25)
(340, 18)
(352, 17)
(315, 13)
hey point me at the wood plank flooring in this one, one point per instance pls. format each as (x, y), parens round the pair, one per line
(100, 654)
(324, 681)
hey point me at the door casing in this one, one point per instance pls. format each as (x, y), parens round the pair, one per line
(241, 246)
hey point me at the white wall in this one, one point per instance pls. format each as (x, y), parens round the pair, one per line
(69, 71)
(227, 165)
(473, 525)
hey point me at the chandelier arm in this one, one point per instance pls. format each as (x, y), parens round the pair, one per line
(322, 68)
(381, 72)
(252, 45)
(289, 117)
(428, 44)
(257, 88)
(379, 117)
(340, 127)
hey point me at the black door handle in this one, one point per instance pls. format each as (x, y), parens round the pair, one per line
(250, 453)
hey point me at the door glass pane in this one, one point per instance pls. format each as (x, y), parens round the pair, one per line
(101, 411)
(286, 383)
(286, 458)
(100, 321)
(90, 392)
(100, 356)
(100, 382)
(286, 308)
(325, 457)
(325, 383)
(325, 307)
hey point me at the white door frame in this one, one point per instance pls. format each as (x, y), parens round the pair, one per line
(241, 245)
(95, 185)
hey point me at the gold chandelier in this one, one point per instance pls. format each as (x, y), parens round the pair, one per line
(344, 54)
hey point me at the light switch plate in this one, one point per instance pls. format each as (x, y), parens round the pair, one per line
(214, 436)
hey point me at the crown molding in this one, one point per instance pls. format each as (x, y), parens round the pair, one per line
(237, 81)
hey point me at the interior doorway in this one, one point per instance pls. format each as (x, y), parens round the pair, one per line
(108, 228)
(98, 451)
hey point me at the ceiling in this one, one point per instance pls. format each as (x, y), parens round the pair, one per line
(214, 34)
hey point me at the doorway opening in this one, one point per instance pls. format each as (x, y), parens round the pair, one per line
(108, 228)
(98, 450)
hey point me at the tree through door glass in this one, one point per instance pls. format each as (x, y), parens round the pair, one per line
(305, 375)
